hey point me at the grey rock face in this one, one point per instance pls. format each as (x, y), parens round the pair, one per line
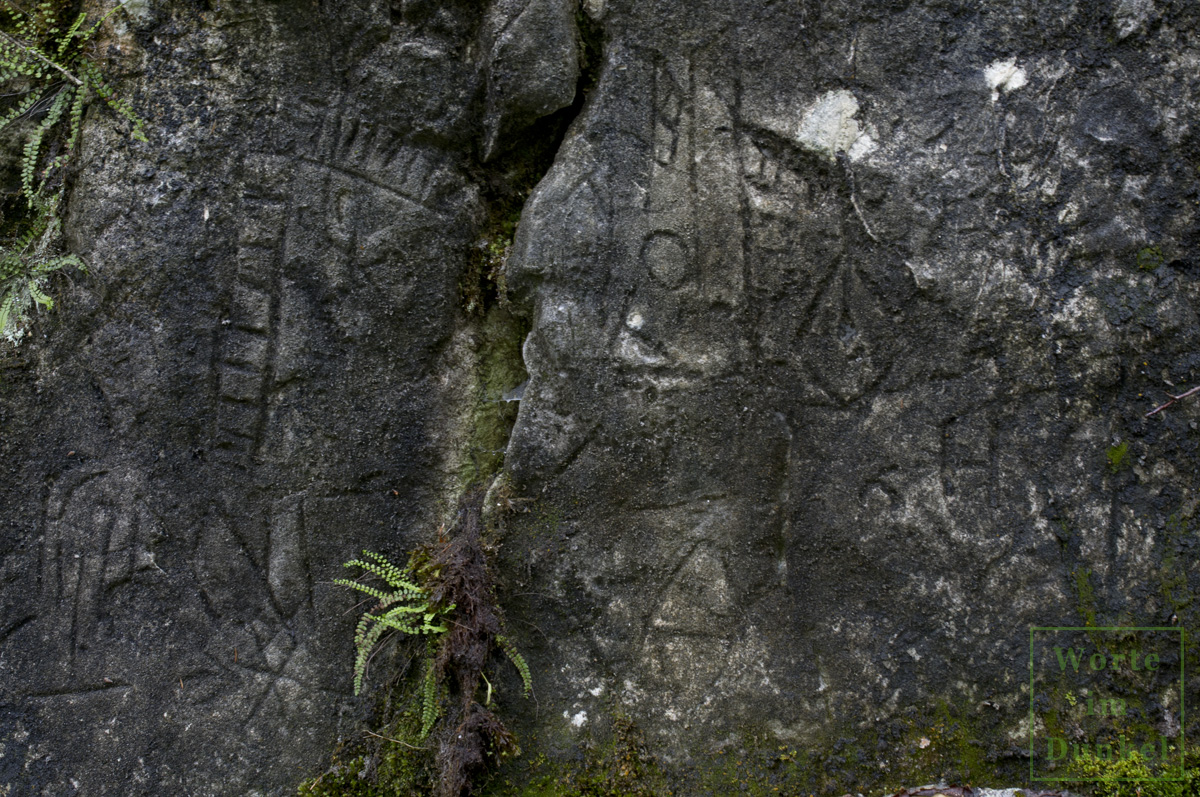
(265, 377)
(533, 65)
(836, 310)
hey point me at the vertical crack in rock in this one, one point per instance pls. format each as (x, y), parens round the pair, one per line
(525, 119)
(530, 105)
(265, 374)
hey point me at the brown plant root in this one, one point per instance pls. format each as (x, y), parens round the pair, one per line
(463, 580)
(460, 576)
(465, 754)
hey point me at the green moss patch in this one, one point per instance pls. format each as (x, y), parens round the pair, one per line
(393, 761)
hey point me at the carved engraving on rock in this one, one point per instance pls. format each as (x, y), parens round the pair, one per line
(374, 155)
(831, 315)
(690, 243)
(264, 559)
(348, 203)
(287, 559)
(247, 343)
(666, 258)
(693, 621)
(98, 533)
(670, 99)
(695, 180)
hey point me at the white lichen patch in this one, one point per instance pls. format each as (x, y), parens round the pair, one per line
(635, 352)
(1131, 15)
(1004, 76)
(1024, 727)
(829, 127)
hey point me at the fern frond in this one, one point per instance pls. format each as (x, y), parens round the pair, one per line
(38, 296)
(43, 15)
(405, 609)
(20, 109)
(74, 123)
(365, 642)
(26, 239)
(30, 56)
(90, 32)
(429, 705)
(518, 660)
(366, 589)
(70, 34)
(397, 624)
(29, 162)
(389, 573)
(92, 78)
(57, 264)
(393, 575)
(14, 13)
(360, 630)
(398, 614)
(26, 263)
(29, 158)
(19, 57)
(6, 307)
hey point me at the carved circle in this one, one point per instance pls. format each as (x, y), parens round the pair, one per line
(666, 258)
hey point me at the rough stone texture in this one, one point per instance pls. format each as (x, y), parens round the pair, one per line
(837, 308)
(265, 374)
(533, 65)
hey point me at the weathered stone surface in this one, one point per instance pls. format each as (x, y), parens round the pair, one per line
(263, 377)
(533, 65)
(836, 311)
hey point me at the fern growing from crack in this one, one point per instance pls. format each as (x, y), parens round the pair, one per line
(402, 606)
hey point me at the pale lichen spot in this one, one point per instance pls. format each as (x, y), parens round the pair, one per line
(829, 127)
(1004, 76)
(594, 8)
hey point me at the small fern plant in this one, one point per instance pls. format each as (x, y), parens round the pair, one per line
(403, 606)
(46, 83)
(25, 267)
(44, 66)
(518, 661)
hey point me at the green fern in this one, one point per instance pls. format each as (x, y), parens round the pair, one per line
(45, 66)
(403, 606)
(27, 264)
(46, 82)
(518, 661)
